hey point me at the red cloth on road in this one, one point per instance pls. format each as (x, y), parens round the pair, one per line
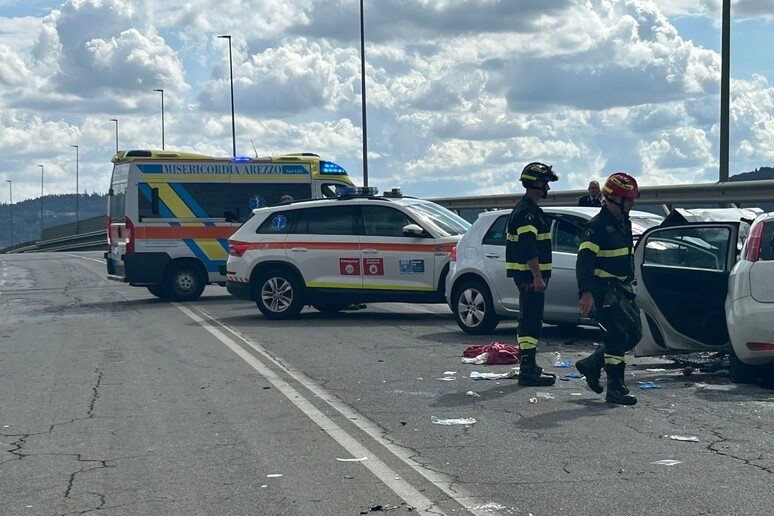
(498, 353)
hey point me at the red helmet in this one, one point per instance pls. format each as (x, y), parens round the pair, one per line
(621, 184)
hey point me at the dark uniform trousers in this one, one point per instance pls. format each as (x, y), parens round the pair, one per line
(618, 314)
(531, 304)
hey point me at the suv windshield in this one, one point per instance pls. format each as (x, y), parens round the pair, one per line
(445, 220)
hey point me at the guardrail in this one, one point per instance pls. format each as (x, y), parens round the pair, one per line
(722, 194)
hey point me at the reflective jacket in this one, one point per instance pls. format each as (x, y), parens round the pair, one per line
(529, 236)
(605, 252)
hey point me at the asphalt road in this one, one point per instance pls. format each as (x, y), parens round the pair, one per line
(114, 402)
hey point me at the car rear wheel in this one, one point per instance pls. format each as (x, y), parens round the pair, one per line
(473, 308)
(184, 282)
(739, 372)
(279, 294)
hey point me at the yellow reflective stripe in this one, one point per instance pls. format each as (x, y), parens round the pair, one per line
(614, 359)
(527, 229)
(176, 205)
(528, 177)
(526, 342)
(357, 286)
(212, 249)
(513, 238)
(610, 253)
(599, 273)
(525, 267)
(591, 246)
(544, 236)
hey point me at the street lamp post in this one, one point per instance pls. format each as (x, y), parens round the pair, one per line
(725, 88)
(162, 117)
(363, 95)
(10, 193)
(116, 121)
(231, 72)
(41, 201)
(77, 191)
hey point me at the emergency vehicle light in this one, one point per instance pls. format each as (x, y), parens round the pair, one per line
(240, 159)
(357, 191)
(331, 168)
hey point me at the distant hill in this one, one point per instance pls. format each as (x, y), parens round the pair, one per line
(757, 175)
(57, 210)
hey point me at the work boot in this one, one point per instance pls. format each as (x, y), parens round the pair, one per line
(591, 368)
(530, 374)
(616, 390)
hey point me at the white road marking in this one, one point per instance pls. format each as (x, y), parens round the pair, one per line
(389, 477)
(85, 258)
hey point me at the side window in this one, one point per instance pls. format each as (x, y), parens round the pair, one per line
(767, 242)
(697, 248)
(496, 233)
(327, 220)
(566, 236)
(278, 223)
(330, 190)
(384, 221)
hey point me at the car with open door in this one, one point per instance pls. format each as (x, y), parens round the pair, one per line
(698, 292)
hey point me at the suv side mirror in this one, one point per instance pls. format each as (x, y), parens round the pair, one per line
(414, 230)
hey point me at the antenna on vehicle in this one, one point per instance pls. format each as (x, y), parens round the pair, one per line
(254, 149)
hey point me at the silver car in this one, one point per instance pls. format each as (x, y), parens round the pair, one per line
(478, 289)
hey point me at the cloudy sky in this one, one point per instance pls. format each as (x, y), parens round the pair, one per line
(461, 93)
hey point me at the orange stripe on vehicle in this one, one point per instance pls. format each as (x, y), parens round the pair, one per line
(179, 232)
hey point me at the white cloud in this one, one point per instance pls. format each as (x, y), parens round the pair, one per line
(461, 93)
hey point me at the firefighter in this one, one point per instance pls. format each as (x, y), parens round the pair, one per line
(605, 272)
(528, 262)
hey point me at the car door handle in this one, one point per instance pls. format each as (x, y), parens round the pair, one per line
(369, 251)
(492, 255)
(299, 249)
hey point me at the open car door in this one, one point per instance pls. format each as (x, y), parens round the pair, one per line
(682, 282)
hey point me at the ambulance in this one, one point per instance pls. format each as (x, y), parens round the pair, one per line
(170, 214)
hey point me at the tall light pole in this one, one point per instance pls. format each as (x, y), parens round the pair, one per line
(231, 72)
(725, 88)
(363, 96)
(116, 121)
(162, 118)
(10, 193)
(77, 191)
(41, 201)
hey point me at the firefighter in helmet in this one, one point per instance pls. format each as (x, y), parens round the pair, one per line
(605, 272)
(528, 262)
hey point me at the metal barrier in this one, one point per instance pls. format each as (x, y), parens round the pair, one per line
(722, 194)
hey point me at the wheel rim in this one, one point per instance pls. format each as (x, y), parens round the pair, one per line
(277, 294)
(471, 307)
(185, 282)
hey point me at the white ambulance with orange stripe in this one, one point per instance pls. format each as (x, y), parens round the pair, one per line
(337, 252)
(170, 214)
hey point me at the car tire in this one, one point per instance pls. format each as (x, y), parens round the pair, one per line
(279, 294)
(473, 308)
(157, 290)
(184, 281)
(739, 372)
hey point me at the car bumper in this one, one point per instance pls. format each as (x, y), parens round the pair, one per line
(750, 322)
(239, 289)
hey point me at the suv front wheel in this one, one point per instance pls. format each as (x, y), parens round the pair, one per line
(473, 308)
(279, 294)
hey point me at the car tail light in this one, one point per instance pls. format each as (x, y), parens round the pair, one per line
(752, 250)
(237, 248)
(129, 236)
(760, 346)
(454, 254)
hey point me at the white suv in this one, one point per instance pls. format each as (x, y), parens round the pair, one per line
(332, 253)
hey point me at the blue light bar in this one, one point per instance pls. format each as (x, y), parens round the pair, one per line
(240, 159)
(331, 168)
(356, 191)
